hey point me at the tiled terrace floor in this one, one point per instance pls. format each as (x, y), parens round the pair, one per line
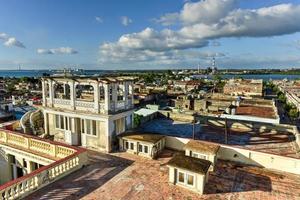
(282, 143)
(125, 176)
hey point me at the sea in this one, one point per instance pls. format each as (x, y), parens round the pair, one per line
(39, 73)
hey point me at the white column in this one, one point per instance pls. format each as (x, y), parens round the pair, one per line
(72, 94)
(96, 96)
(126, 95)
(46, 126)
(44, 92)
(114, 95)
(29, 166)
(51, 92)
(106, 98)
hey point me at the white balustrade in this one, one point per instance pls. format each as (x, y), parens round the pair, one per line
(68, 160)
(64, 102)
(35, 144)
(84, 104)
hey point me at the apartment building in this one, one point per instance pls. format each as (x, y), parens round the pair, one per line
(244, 87)
(88, 112)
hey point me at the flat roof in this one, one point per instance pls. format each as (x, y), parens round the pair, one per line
(145, 137)
(189, 163)
(201, 146)
(256, 111)
(145, 112)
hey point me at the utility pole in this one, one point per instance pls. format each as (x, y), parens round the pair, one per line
(194, 121)
(225, 131)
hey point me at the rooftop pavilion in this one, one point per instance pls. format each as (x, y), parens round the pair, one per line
(102, 95)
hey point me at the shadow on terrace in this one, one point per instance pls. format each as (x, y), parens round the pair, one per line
(231, 177)
(101, 168)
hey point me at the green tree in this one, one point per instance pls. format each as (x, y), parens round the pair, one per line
(293, 113)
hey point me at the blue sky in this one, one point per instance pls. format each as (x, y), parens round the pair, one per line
(44, 34)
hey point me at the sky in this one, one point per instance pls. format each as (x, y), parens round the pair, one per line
(149, 34)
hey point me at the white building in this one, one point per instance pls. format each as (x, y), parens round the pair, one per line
(90, 112)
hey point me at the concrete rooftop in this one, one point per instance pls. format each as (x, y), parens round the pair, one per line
(281, 143)
(125, 176)
(256, 111)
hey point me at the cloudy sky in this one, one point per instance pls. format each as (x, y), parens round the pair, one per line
(149, 34)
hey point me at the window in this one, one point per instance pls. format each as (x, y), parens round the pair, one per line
(89, 127)
(63, 122)
(120, 92)
(198, 155)
(126, 144)
(185, 178)
(190, 180)
(131, 146)
(57, 121)
(62, 125)
(82, 125)
(145, 149)
(94, 127)
(181, 177)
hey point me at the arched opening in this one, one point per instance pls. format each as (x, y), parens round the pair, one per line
(120, 92)
(85, 93)
(58, 90)
(61, 91)
(102, 94)
(47, 90)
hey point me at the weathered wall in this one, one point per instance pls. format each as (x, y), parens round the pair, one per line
(176, 116)
(245, 156)
(5, 168)
(260, 159)
(176, 143)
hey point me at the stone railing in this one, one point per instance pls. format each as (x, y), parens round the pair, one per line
(35, 145)
(64, 102)
(85, 104)
(71, 159)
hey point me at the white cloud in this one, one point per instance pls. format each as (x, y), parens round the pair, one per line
(10, 41)
(168, 19)
(126, 20)
(13, 42)
(3, 36)
(60, 50)
(202, 22)
(99, 19)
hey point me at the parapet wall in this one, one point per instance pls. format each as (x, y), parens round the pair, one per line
(245, 156)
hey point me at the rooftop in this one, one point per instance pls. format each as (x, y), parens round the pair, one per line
(202, 146)
(196, 165)
(127, 176)
(274, 141)
(256, 111)
(146, 137)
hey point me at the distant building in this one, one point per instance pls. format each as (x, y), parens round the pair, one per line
(240, 87)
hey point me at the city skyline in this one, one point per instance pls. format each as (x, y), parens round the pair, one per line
(149, 35)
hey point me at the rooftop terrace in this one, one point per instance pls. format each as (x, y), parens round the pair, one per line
(126, 176)
(269, 141)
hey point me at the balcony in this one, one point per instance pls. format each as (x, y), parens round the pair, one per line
(66, 159)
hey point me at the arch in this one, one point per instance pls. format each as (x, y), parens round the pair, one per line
(84, 92)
